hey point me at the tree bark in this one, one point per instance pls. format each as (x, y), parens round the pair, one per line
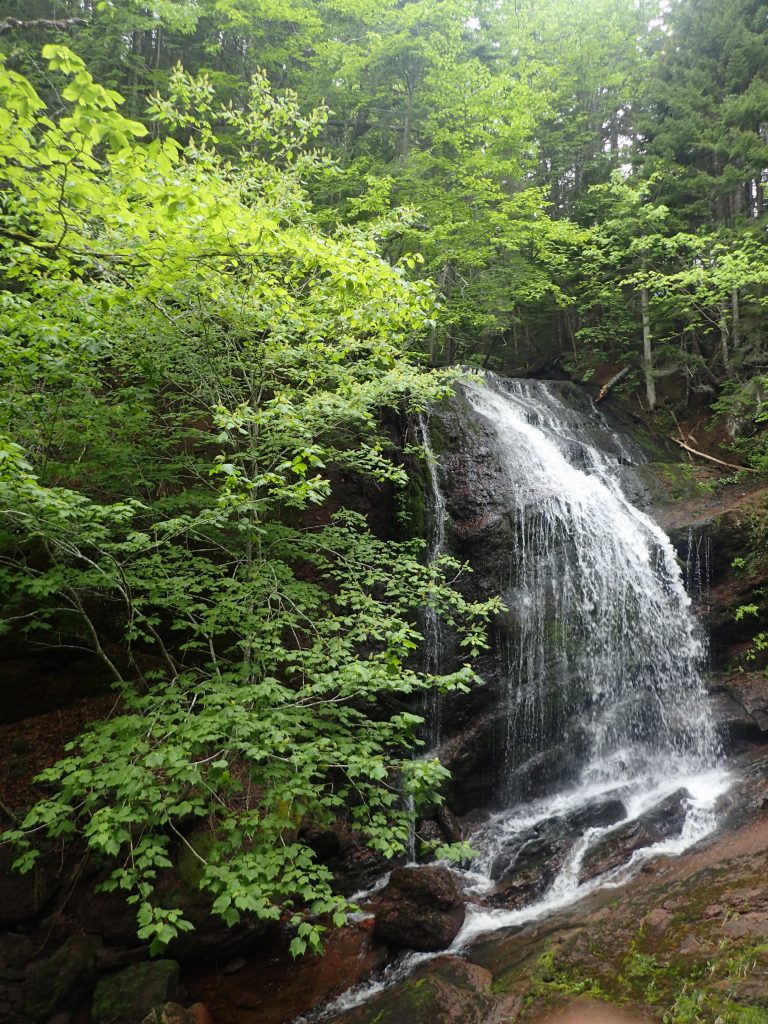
(650, 382)
(711, 458)
(606, 389)
(735, 318)
(406, 139)
(724, 346)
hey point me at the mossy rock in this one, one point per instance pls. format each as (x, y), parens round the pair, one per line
(412, 501)
(449, 990)
(128, 996)
(59, 982)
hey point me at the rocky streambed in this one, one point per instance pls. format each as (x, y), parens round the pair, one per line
(686, 939)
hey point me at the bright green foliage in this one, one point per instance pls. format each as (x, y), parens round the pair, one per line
(492, 122)
(428, 104)
(189, 362)
(585, 57)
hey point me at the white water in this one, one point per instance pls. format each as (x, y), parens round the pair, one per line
(599, 614)
(704, 789)
(604, 658)
(433, 635)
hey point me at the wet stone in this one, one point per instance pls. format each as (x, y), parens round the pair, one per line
(528, 864)
(129, 995)
(448, 990)
(420, 908)
(663, 821)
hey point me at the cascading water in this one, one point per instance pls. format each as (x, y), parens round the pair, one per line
(603, 663)
(604, 653)
(600, 662)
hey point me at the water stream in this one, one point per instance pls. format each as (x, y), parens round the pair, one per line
(604, 654)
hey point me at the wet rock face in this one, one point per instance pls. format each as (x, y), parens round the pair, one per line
(663, 821)
(496, 518)
(734, 722)
(421, 908)
(750, 692)
(528, 864)
(716, 532)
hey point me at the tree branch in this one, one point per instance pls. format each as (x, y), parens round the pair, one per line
(606, 389)
(54, 24)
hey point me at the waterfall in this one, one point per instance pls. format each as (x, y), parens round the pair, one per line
(604, 652)
(598, 657)
(601, 662)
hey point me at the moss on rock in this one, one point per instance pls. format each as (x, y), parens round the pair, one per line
(129, 995)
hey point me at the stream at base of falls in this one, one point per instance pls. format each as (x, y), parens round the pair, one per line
(701, 820)
(600, 657)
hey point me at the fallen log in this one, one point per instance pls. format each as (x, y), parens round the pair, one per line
(611, 384)
(711, 458)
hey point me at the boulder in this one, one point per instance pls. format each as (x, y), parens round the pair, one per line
(64, 979)
(129, 995)
(174, 1013)
(598, 813)
(168, 1013)
(449, 991)
(663, 821)
(526, 866)
(420, 908)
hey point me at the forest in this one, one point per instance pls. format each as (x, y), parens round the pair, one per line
(244, 246)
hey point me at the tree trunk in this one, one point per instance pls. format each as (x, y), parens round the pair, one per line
(650, 382)
(735, 319)
(406, 140)
(445, 280)
(614, 134)
(759, 198)
(450, 349)
(724, 346)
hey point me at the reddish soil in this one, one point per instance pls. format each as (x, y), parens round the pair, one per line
(36, 743)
